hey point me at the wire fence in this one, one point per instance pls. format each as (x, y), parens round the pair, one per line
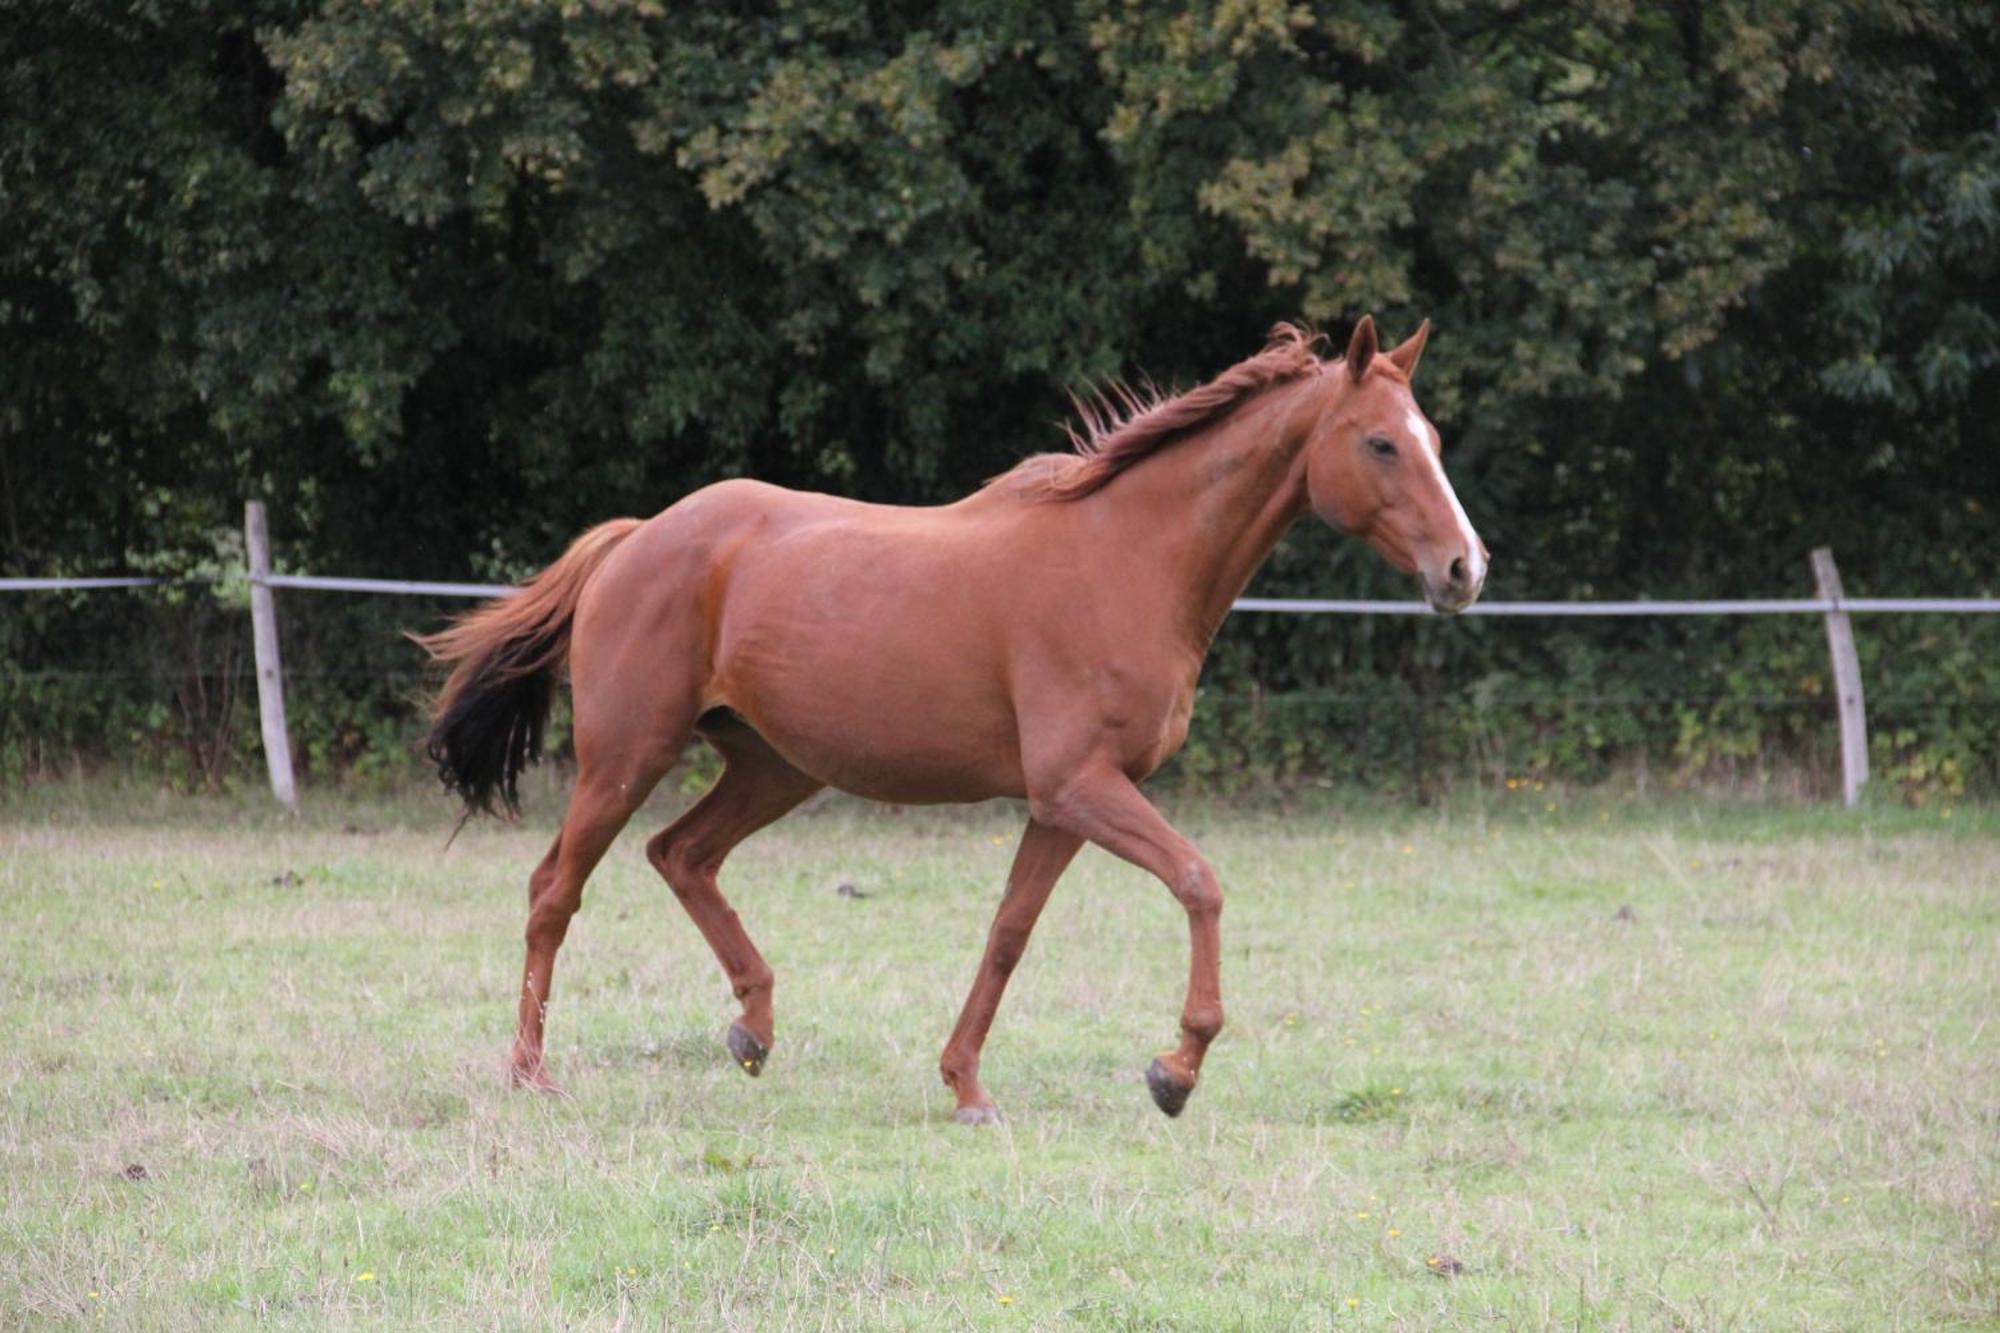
(1831, 606)
(1770, 606)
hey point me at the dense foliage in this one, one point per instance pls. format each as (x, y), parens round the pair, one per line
(1715, 282)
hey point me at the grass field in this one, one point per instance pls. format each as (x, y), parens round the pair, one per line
(1524, 1062)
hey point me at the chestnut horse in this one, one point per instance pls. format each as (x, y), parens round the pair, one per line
(1039, 639)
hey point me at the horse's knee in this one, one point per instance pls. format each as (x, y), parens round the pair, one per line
(1198, 889)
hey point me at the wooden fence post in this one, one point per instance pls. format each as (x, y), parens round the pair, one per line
(1846, 680)
(270, 676)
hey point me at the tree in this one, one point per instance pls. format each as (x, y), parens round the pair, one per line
(1714, 282)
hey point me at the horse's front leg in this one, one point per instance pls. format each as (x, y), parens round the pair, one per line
(1103, 806)
(1043, 855)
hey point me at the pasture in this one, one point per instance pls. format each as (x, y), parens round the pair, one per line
(1529, 1060)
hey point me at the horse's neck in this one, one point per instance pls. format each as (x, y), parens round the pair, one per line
(1206, 511)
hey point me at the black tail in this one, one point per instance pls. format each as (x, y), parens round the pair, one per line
(487, 722)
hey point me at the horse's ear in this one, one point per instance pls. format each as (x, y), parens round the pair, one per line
(1361, 348)
(1405, 358)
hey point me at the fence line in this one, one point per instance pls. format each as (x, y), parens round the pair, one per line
(396, 587)
(1799, 606)
(1831, 606)
(1782, 606)
(55, 585)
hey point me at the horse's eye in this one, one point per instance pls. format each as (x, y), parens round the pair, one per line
(1380, 447)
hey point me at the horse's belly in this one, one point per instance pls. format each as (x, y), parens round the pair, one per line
(903, 781)
(883, 715)
(916, 760)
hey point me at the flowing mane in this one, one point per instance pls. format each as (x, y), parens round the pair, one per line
(1121, 425)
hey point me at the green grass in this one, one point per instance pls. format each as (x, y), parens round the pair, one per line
(1491, 1066)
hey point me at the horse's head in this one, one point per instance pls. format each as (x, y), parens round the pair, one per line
(1372, 469)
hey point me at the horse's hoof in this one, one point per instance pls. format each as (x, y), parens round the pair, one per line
(977, 1115)
(1169, 1094)
(747, 1050)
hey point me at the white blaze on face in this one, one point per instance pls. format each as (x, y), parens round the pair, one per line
(1427, 447)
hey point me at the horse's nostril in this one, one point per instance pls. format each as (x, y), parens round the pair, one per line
(1457, 572)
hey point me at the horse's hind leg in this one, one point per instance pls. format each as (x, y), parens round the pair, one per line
(617, 768)
(597, 810)
(757, 786)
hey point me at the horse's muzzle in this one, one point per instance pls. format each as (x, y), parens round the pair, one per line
(1455, 587)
